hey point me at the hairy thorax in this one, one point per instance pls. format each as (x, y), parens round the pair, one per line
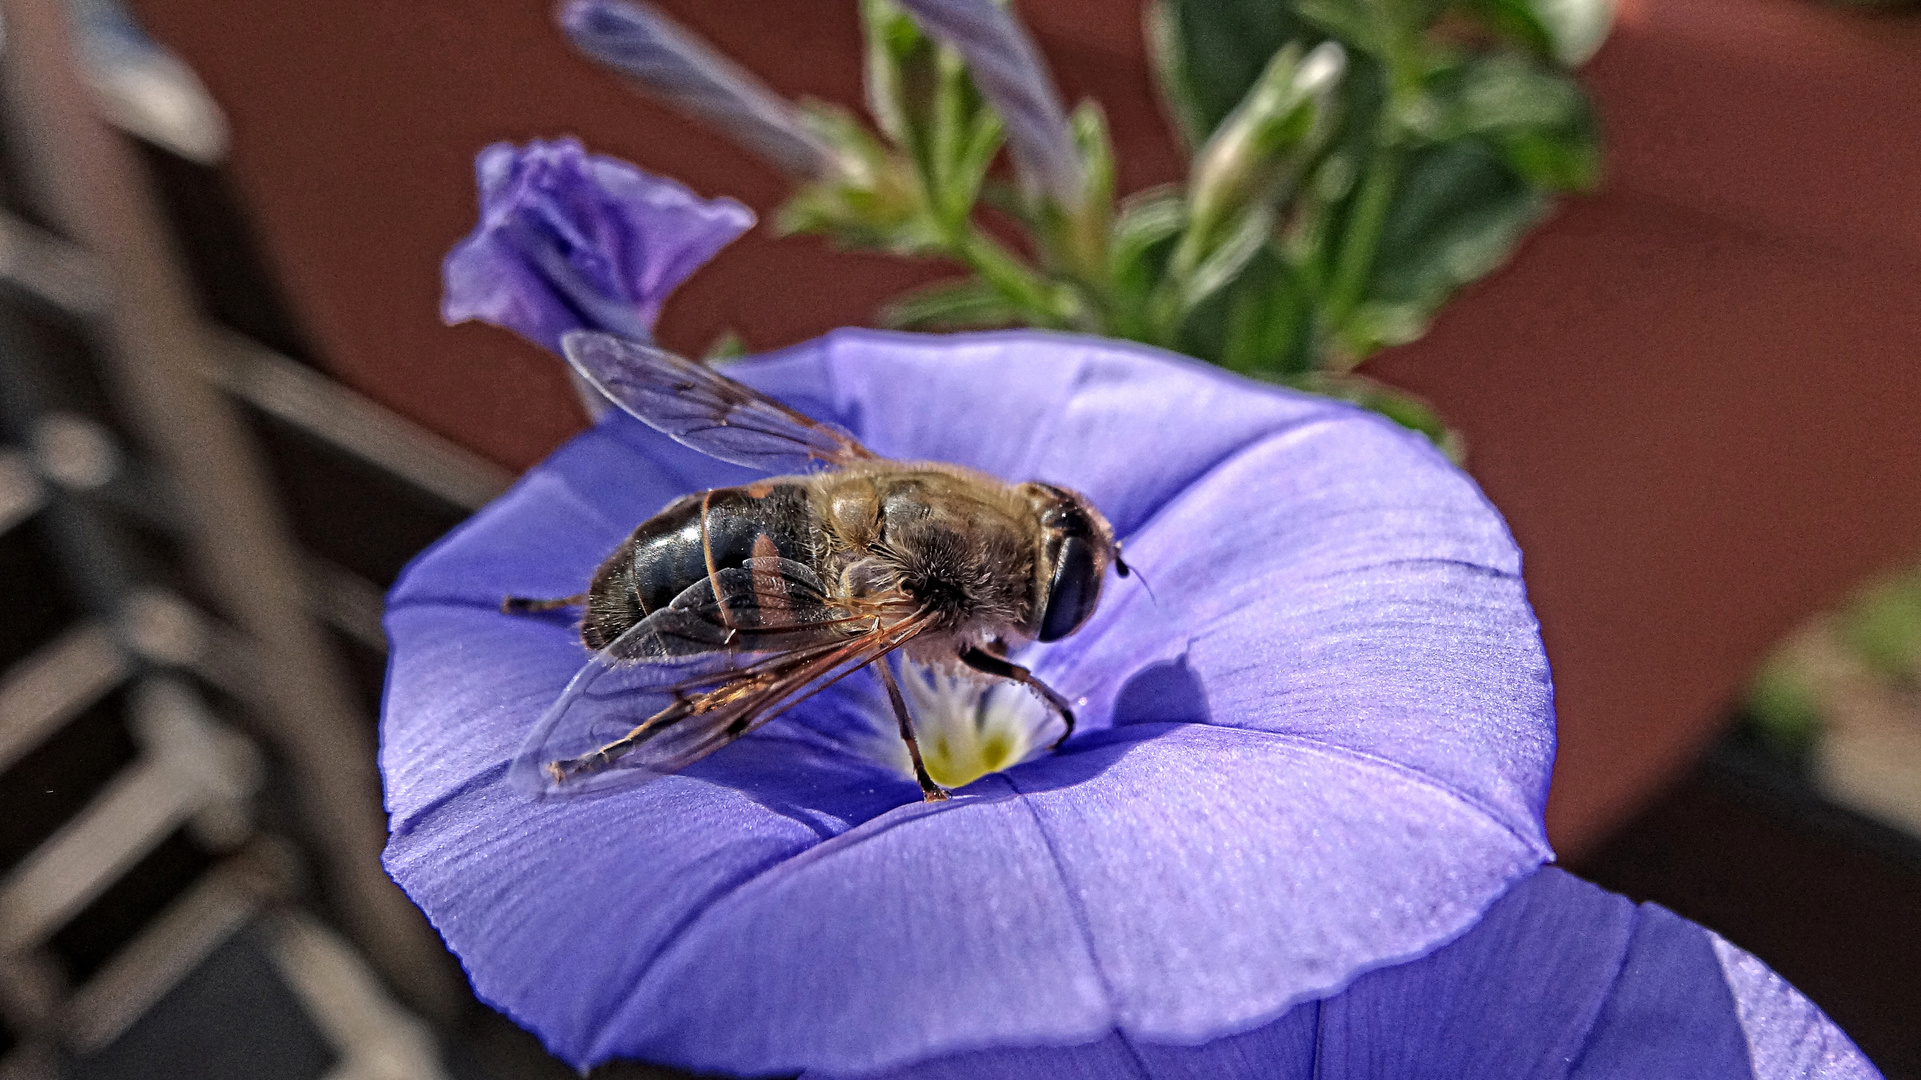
(956, 543)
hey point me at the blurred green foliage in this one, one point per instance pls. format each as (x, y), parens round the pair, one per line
(1883, 627)
(1783, 708)
(1872, 642)
(1353, 164)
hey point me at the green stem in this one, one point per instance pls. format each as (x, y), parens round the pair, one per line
(1014, 279)
(1354, 261)
(1361, 240)
(945, 143)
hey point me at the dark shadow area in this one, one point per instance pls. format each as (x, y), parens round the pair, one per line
(1828, 898)
(232, 1019)
(221, 252)
(779, 775)
(35, 599)
(350, 512)
(67, 376)
(56, 779)
(90, 939)
(1167, 692)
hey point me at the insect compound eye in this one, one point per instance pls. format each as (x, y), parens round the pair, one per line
(1065, 515)
(1074, 592)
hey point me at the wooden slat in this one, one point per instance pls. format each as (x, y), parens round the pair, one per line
(316, 404)
(45, 690)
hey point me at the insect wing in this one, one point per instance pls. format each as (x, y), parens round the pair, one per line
(701, 408)
(698, 674)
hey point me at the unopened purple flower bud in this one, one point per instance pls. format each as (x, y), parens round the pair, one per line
(667, 61)
(1008, 70)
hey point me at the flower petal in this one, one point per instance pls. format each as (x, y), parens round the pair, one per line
(1787, 1035)
(1321, 572)
(1318, 747)
(1559, 979)
(569, 240)
(1557, 971)
(1173, 884)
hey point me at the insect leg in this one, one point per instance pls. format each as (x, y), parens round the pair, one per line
(988, 664)
(929, 791)
(527, 605)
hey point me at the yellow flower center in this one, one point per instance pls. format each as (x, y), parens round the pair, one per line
(967, 725)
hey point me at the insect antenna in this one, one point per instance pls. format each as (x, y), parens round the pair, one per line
(1121, 568)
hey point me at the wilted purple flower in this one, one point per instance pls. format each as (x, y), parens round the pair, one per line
(570, 240)
(1011, 76)
(666, 60)
(1317, 750)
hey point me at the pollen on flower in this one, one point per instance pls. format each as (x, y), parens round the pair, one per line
(967, 725)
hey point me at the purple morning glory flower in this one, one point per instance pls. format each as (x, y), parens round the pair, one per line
(569, 240)
(664, 59)
(1008, 70)
(1317, 750)
(1558, 979)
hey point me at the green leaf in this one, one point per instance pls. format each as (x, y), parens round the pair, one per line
(1569, 32)
(1138, 245)
(1074, 237)
(1540, 119)
(924, 101)
(1457, 213)
(1262, 323)
(960, 145)
(1556, 160)
(962, 304)
(899, 72)
(1240, 243)
(972, 157)
(1208, 53)
(1377, 324)
(1146, 219)
(873, 202)
(1040, 300)
(1269, 320)
(1261, 149)
(1356, 24)
(1088, 125)
(1498, 93)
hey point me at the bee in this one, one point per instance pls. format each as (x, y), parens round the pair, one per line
(732, 605)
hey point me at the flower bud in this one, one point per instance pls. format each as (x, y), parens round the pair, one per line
(1008, 71)
(667, 61)
(1262, 145)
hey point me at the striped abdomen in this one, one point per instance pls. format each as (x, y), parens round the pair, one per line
(670, 551)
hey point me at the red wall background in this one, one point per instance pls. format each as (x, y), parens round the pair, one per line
(1694, 394)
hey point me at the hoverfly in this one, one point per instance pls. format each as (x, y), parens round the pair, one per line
(732, 605)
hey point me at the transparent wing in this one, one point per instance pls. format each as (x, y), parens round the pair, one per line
(700, 673)
(699, 407)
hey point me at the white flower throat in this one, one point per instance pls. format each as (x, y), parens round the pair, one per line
(967, 726)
